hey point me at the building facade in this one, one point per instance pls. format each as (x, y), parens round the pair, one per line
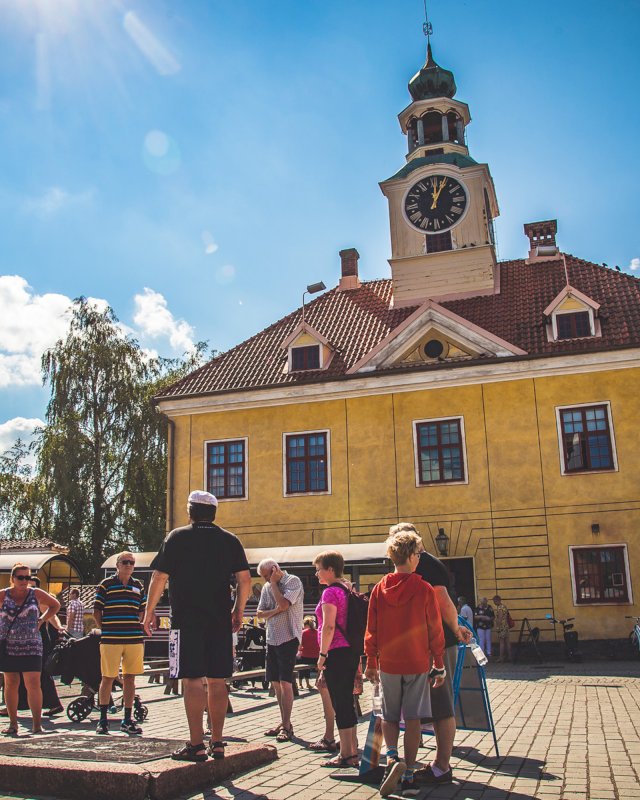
(493, 404)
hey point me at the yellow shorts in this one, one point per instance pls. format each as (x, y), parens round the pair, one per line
(131, 655)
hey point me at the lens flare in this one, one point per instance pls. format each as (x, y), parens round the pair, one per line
(161, 153)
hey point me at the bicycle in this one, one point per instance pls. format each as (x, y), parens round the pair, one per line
(634, 637)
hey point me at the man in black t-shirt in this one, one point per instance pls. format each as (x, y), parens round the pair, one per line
(434, 572)
(199, 560)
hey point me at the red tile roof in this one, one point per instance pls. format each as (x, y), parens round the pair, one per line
(354, 322)
(23, 545)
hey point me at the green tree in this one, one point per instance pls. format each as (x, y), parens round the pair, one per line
(25, 508)
(102, 453)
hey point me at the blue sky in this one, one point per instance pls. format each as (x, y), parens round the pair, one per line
(196, 164)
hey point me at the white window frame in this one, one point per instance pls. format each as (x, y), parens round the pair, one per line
(559, 313)
(627, 571)
(284, 463)
(416, 452)
(614, 452)
(205, 481)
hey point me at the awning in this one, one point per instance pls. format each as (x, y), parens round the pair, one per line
(32, 560)
(365, 553)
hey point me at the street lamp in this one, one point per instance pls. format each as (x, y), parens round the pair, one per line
(442, 543)
(312, 288)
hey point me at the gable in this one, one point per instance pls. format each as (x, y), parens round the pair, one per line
(433, 323)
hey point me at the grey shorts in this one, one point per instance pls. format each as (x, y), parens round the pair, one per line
(404, 696)
(442, 697)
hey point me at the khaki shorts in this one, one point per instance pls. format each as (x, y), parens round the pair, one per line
(131, 656)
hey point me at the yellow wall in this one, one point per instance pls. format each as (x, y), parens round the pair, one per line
(516, 515)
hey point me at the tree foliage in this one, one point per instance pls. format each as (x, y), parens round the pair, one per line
(25, 508)
(102, 454)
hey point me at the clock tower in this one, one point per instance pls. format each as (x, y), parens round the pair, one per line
(442, 203)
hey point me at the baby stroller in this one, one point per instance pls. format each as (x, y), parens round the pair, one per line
(80, 659)
(251, 650)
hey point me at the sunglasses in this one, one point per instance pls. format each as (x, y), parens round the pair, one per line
(128, 562)
(22, 577)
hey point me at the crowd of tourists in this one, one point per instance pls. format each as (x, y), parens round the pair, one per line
(407, 628)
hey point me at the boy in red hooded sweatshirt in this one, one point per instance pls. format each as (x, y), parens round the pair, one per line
(404, 645)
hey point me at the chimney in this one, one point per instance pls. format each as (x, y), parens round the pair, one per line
(542, 240)
(349, 270)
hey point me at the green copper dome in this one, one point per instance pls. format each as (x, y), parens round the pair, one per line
(432, 81)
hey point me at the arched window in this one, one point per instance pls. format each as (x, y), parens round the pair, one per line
(432, 121)
(454, 124)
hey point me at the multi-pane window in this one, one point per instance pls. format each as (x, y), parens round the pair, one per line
(572, 326)
(600, 575)
(306, 462)
(226, 469)
(439, 446)
(305, 357)
(439, 242)
(586, 438)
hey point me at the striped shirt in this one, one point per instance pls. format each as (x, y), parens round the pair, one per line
(121, 607)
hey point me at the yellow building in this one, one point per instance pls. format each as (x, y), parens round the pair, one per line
(491, 403)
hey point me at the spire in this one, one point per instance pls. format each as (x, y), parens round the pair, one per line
(432, 80)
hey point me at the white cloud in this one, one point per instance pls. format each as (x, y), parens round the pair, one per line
(17, 428)
(164, 62)
(155, 320)
(635, 264)
(31, 323)
(54, 199)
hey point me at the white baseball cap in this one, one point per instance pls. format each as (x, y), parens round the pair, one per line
(203, 498)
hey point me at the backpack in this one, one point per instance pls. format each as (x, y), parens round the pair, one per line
(357, 611)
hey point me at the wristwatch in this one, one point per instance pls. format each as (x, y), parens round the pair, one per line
(324, 655)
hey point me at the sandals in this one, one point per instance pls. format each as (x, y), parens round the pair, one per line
(285, 735)
(273, 731)
(216, 749)
(324, 746)
(340, 763)
(190, 752)
(10, 731)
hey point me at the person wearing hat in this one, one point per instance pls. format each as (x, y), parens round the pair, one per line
(199, 559)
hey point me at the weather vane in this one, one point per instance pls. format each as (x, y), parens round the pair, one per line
(427, 27)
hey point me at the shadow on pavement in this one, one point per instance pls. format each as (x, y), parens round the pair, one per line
(229, 788)
(470, 789)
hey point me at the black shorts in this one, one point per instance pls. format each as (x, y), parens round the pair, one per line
(281, 659)
(200, 652)
(21, 664)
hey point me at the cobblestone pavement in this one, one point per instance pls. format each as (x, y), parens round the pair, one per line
(566, 732)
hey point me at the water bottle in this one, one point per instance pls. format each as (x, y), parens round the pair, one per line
(478, 653)
(376, 705)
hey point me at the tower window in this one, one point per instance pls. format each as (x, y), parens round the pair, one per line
(432, 127)
(439, 242)
(454, 128)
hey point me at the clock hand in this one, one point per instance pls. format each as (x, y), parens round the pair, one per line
(436, 193)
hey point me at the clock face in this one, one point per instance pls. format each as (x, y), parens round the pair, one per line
(435, 204)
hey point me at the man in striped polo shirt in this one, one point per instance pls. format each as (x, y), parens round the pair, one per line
(118, 608)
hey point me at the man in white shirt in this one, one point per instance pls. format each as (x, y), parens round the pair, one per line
(465, 610)
(281, 605)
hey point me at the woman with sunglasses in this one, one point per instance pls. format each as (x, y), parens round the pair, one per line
(21, 643)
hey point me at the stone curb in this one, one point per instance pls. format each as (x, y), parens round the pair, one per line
(158, 780)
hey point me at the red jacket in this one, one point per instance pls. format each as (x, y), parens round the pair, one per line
(404, 628)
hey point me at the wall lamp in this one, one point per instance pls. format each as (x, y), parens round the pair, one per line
(312, 288)
(595, 528)
(442, 543)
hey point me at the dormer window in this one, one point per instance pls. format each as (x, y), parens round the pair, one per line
(305, 357)
(307, 349)
(572, 315)
(573, 325)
